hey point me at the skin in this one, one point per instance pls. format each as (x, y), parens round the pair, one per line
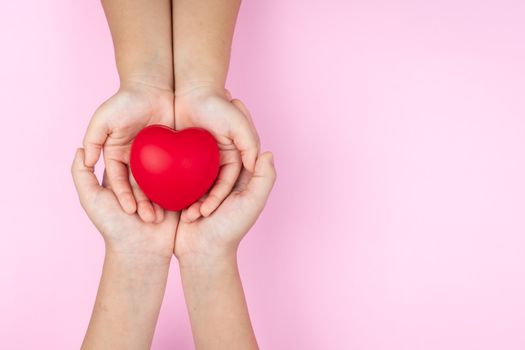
(202, 37)
(154, 70)
(148, 64)
(135, 268)
(138, 256)
(207, 252)
(141, 32)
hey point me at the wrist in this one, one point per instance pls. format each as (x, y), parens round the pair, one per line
(199, 270)
(200, 88)
(139, 84)
(135, 92)
(137, 273)
(148, 75)
(208, 261)
(139, 263)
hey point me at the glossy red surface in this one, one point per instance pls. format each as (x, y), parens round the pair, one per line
(174, 168)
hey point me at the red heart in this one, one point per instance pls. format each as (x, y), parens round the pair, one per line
(174, 168)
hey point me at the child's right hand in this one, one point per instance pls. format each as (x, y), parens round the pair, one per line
(206, 248)
(217, 236)
(112, 129)
(123, 234)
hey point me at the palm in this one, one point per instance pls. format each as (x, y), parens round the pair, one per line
(129, 231)
(217, 114)
(113, 128)
(216, 230)
(127, 113)
(224, 228)
(210, 112)
(211, 115)
(122, 232)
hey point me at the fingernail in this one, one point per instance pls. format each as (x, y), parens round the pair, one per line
(203, 211)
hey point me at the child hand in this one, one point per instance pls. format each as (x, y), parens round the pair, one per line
(114, 126)
(219, 234)
(230, 122)
(123, 233)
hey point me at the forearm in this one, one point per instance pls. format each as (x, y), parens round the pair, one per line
(128, 303)
(216, 304)
(202, 37)
(141, 32)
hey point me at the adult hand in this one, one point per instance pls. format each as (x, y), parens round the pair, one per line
(230, 122)
(112, 129)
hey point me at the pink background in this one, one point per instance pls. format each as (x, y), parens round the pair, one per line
(398, 218)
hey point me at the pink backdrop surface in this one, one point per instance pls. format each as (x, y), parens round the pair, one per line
(398, 218)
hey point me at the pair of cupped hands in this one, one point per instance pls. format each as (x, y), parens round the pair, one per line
(128, 221)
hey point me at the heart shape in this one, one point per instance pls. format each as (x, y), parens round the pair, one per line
(174, 168)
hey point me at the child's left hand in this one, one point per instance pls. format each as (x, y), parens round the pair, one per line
(123, 233)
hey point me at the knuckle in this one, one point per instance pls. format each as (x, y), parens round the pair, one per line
(121, 191)
(212, 200)
(224, 182)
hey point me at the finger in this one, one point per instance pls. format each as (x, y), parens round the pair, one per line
(144, 206)
(193, 212)
(242, 107)
(226, 179)
(119, 180)
(84, 178)
(245, 139)
(94, 139)
(262, 180)
(105, 182)
(243, 180)
(159, 213)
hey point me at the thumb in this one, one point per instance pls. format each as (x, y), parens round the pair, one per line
(95, 137)
(242, 107)
(84, 178)
(263, 179)
(245, 139)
